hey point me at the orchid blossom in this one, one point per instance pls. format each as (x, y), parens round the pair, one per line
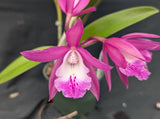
(74, 8)
(73, 72)
(130, 54)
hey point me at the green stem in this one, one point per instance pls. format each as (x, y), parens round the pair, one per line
(59, 20)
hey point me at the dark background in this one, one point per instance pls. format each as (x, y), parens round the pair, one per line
(26, 24)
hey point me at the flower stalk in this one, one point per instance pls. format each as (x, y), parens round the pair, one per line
(59, 20)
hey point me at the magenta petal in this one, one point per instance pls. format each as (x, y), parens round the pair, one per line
(123, 77)
(63, 5)
(147, 55)
(145, 44)
(93, 61)
(80, 6)
(45, 55)
(74, 34)
(87, 43)
(95, 83)
(72, 88)
(52, 89)
(123, 45)
(116, 56)
(136, 68)
(107, 73)
(69, 5)
(140, 35)
(91, 9)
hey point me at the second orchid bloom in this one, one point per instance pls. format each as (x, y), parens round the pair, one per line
(130, 53)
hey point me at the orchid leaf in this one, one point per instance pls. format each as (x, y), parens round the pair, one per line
(112, 23)
(82, 105)
(18, 66)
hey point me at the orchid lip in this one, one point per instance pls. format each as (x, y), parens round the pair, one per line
(137, 68)
(72, 76)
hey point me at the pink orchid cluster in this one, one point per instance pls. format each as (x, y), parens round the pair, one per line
(73, 73)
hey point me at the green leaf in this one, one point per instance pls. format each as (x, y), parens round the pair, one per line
(112, 23)
(82, 105)
(18, 66)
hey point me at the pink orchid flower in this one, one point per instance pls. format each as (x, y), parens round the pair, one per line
(72, 73)
(74, 8)
(130, 54)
